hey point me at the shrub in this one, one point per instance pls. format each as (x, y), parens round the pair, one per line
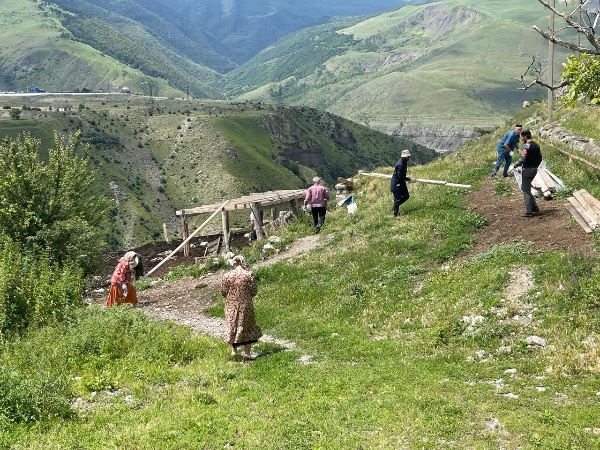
(45, 205)
(33, 292)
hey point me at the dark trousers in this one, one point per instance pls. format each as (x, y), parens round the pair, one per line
(400, 196)
(527, 176)
(318, 213)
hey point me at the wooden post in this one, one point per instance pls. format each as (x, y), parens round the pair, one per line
(184, 233)
(260, 231)
(225, 223)
(219, 209)
(165, 232)
(294, 208)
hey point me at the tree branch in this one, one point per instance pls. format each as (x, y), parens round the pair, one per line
(588, 32)
(558, 41)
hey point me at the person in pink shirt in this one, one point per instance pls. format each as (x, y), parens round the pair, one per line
(317, 195)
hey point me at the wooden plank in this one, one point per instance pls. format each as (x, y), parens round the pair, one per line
(419, 180)
(578, 218)
(571, 155)
(590, 200)
(547, 179)
(589, 207)
(538, 182)
(268, 199)
(217, 211)
(582, 212)
(557, 181)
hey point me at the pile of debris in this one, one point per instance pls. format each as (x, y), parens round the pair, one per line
(585, 209)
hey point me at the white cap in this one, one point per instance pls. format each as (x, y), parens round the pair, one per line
(405, 153)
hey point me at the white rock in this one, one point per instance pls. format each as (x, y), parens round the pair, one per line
(535, 340)
(510, 395)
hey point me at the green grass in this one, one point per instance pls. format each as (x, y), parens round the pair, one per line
(379, 311)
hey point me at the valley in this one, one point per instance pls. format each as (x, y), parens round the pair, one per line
(153, 156)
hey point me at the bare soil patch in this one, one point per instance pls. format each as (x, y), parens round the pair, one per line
(185, 300)
(552, 229)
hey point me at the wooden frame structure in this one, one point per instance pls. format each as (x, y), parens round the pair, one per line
(254, 202)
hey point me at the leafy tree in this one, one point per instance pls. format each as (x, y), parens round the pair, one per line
(583, 77)
(45, 204)
(15, 113)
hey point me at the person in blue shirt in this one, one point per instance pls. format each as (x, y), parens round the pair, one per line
(505, 147)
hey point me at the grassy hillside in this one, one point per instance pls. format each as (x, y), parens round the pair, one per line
(37, 50)
(446, 64)
(403, 340)
(155, 156)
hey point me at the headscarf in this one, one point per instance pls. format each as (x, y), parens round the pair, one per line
(237, 260)
(131, 257)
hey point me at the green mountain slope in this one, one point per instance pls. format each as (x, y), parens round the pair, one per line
(155, 157)
(424, 71)
(37, 50)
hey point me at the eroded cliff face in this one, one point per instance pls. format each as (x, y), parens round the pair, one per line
(441, 138)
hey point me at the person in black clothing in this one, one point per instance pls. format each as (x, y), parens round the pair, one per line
(398, 184)
(137, 267)
(531, 158)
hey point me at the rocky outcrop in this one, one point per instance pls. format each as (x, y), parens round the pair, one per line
(557, 132)
(441, 138)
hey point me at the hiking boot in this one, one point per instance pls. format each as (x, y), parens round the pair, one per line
(527, 215)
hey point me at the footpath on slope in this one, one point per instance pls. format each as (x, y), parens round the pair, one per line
(184, 300)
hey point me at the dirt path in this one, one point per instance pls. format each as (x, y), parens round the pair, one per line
(550, 230)
(185, 300)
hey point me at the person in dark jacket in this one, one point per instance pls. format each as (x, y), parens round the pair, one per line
(398, 185)
(531, 158)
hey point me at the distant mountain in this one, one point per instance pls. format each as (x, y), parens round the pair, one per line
(62, 50)
(246, 27)
(434, 73)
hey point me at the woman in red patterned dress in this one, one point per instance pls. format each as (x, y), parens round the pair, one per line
(122, 289)
(238, 287)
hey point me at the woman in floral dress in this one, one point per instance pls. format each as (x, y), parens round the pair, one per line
(122, 289)
(238, 287)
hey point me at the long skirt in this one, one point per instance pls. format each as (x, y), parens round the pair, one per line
(116, 295)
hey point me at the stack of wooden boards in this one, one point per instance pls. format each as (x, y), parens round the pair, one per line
(585, 209)
(545, 182)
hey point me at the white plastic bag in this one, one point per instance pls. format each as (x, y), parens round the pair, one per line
(351, 208)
